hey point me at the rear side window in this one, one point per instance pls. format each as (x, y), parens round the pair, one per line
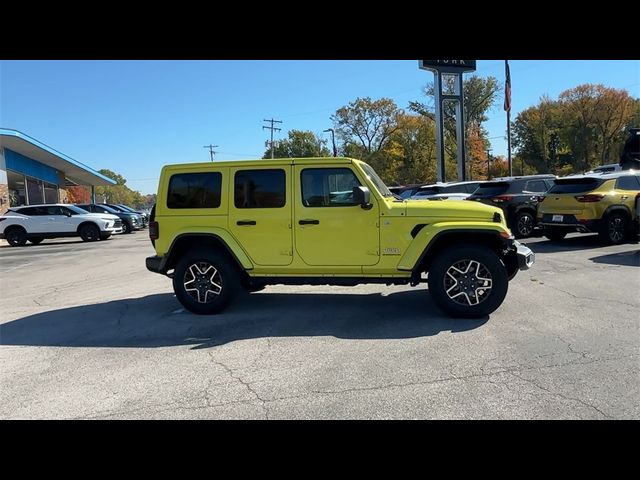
(195, 190)
(455, 189)
(490, 189)
(631, 182)
(471, 187)
(536, 186)
(260, 189)
(575, 185)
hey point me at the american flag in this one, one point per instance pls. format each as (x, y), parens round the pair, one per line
(507, 87)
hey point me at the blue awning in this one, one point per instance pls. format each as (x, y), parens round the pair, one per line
(77, 172)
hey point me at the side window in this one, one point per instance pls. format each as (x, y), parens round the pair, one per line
(30, 211)
(194, 190)
(472, 187)
(328, 187)
(455, 189)
(55, 210)
(260, 189)
(632, 182)
(536, 186)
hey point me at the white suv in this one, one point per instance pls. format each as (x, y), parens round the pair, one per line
(37, 222)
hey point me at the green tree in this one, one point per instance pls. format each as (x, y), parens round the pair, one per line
(299, 144)
(364, 128)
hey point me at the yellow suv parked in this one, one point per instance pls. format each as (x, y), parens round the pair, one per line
(223, 226)
(602, 203)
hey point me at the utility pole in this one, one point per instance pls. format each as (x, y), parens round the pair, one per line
(488, 164)
(212, 152)
(272, 128)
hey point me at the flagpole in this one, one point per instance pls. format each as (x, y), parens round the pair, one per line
(506, 66)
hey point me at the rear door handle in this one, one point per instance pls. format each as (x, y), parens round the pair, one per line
(246, 222)
(309, 222)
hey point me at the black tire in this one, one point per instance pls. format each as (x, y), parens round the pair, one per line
(36, 240)
(16, 236)
(555, 234)
(89, 232)
(194, 269)
(615, 229)
(126, 228)
(105, 236)
(524, 224)
(466, 258)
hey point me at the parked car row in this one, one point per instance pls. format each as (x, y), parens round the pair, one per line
(90, 222)
(600, 201)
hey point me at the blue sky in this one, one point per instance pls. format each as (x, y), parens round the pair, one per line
(133, 117)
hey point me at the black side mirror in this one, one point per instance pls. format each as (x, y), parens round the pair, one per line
(67, 214)
(361, 196)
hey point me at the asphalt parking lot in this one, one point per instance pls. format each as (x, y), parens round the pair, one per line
(86, 332)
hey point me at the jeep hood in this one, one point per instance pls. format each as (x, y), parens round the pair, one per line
(458, 209)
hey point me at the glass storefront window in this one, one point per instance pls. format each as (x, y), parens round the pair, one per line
(17, 194)
(34, 191)
(50, 193)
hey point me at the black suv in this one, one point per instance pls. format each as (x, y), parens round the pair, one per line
(130, 221)
(518, 197)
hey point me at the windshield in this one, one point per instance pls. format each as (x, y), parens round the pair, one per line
(108, 208)
(375, 179)
(76, 210)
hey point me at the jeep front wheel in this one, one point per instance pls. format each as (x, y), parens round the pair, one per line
(468, 281)
(205, 283)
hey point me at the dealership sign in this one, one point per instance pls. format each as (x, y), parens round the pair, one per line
(449, 65)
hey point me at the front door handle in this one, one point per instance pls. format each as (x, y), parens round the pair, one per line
(246, 222)
(309, 222)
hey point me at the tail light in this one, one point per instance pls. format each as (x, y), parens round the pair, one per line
(502, 198)
(154, 230)
(589, 198)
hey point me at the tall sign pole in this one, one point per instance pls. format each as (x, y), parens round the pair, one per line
(444, 71)
(507, 107)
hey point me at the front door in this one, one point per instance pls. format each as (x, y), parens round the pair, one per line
(329, 228)
(260, 213)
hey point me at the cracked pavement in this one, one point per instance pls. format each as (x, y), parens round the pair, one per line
(86, 332)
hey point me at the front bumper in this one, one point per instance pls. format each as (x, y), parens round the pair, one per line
(526, 258)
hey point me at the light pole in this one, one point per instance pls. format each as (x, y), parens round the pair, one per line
(333, 140)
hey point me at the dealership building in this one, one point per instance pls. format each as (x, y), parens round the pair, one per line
(32, 172)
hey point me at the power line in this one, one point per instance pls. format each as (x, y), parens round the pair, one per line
(212, 152)
(272, 128)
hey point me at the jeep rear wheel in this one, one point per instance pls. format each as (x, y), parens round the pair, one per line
(205, 283)
(89, 233)
(16, 236)
(468, 281)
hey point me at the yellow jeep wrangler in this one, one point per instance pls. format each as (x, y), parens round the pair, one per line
(223, 226)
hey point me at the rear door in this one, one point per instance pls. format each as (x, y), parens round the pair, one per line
(260, 213)
(627, 189)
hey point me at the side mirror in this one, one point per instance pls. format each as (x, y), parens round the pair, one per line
(361, 196)
(67, 214)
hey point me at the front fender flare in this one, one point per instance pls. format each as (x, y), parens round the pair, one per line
(429, 234)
